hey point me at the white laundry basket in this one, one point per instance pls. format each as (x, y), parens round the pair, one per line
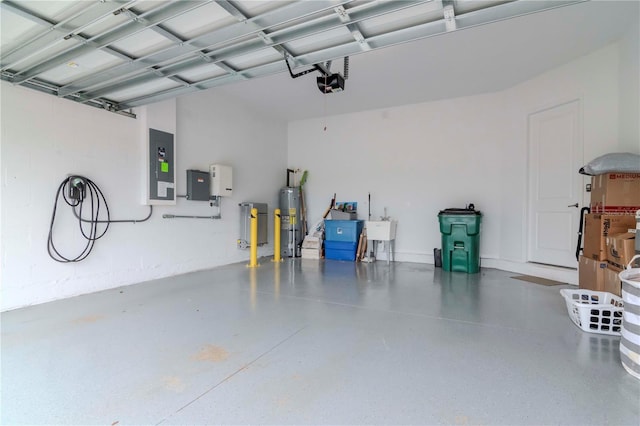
(630, 333)
(594, 311)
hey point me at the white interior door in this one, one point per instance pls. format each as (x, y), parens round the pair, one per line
(555, 187)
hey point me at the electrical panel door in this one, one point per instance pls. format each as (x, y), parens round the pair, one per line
(162, 177)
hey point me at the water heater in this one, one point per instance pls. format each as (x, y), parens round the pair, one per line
(291, 221)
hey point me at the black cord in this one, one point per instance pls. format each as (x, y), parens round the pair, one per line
(92, 192)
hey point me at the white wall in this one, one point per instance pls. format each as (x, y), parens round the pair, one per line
(630, 89)
(414, 160)
(421, 158)
(222, 130)
(44, 139)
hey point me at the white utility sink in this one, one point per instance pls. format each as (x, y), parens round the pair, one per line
(381, 230)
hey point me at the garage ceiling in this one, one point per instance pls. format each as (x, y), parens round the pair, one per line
(121, 54)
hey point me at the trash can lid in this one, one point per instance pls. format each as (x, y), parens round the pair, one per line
(455, 211)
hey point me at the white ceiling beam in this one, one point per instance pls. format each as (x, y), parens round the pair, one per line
(324, 23)
(232, 9)
(235, 40)
(54, 32)
(353, 28)
(164, 32)
(103, 40)
(342, 13)
(449, 18)
(357, 36)
(184, 52)
(472, 19)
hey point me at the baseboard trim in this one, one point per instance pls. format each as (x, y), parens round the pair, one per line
(556, 273)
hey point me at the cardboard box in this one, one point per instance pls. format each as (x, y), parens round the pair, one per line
(615, 193)
(591, 274)
(621, 248)
(341, 215)
(311, 253)
(312, 242)
(597, 227)
(612, 283)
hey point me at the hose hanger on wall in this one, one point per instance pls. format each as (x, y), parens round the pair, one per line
(76, 190)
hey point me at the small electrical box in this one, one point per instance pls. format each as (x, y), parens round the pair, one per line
(197, 185)
(221, 180)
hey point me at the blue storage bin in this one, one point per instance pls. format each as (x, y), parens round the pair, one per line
(340, 250)
(343, 230)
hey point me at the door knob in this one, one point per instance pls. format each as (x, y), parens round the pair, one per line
(573, 205)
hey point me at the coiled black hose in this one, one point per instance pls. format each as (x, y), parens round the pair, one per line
(85, 190)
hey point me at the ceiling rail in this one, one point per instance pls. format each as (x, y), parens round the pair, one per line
(54, 32)
(104, 39)
(292, 33)
(259, 33)
(430, 29)
(194, 47)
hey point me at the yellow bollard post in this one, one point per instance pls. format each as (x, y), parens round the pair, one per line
(253, 289)
(253, 258)
(276, 236)
(276, 280)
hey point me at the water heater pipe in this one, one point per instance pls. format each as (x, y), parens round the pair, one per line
(289, 171)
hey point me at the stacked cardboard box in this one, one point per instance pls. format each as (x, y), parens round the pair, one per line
(615, 193)
(609, 236)
(591, 274)
(311, 247)
(599, 276)
(620, 248)
(597, 227)
(608, 247)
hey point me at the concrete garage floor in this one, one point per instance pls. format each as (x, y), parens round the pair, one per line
(308, 342)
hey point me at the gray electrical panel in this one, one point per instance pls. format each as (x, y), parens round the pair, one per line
(245, 223)
(161, 166)
(197, 185)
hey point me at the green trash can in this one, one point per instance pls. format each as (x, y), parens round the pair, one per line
(460, 229)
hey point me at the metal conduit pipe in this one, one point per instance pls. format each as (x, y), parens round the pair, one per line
(175, 216)
(75, 213)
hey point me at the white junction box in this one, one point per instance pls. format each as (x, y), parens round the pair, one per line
(221, 180)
